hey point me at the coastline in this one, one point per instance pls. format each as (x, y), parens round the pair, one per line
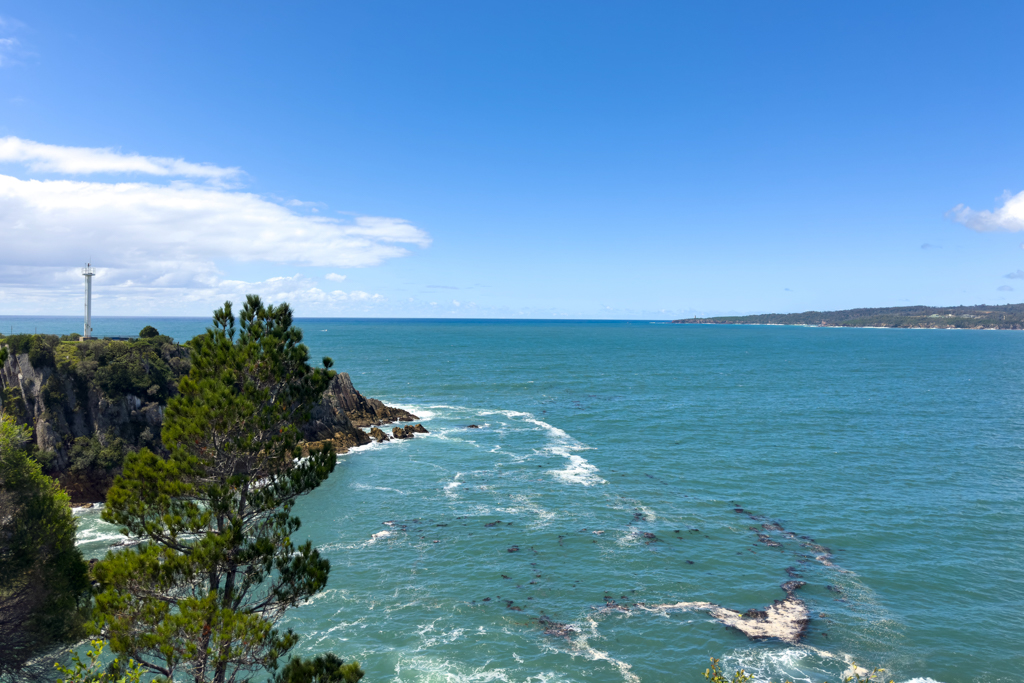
(852, 327)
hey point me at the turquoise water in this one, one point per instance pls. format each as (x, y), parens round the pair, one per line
(899, 452)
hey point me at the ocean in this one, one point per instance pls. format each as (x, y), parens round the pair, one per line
(634, 466)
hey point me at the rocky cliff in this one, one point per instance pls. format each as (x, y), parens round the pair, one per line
(343, 410)
(341, 396)
(90, 403)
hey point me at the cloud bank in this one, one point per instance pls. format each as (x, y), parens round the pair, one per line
(1009, 217)
(176, 235)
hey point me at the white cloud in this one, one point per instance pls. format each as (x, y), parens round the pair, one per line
(1005, 288)
(9, 45)
(1008, 217)
(129, 224)
(1016, 275)
(122, 295)
(177, 236)
(40, 157)
(334, 277)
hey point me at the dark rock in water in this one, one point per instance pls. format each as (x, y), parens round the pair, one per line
(739, 510)
(793, 573)
(555, 628)
(378, 435)
(791, 586)
(495, 523)
(472, 426)
(756, 614)
(649, 536)
(514, 549)
(689, 562)
(408, 431)
(834, 589)
(763, 538)
(774, 526)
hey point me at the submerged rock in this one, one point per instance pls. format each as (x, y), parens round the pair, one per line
(556, 628)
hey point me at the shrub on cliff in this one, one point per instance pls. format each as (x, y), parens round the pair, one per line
(92, 453)
(44, 589)
(216, 566)
(39, 347)
(148, 368)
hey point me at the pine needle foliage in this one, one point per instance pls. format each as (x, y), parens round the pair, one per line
(215, 565)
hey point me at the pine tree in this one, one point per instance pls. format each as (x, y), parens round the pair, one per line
(216, 566)
(44, 586)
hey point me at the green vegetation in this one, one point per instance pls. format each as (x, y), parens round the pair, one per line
(44, 589)
(88, 452)
(321, 669)
(85, 380)
(1006, 317)
(94, 671)
(715, 675)
(216, 565)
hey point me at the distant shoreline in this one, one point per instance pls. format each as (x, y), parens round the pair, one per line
(1004, 317)
(851, 327)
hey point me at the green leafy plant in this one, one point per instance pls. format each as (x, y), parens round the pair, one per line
(94, 671)
(44, 587)
(715, 675)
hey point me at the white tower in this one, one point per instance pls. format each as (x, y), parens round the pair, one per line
(88, 272)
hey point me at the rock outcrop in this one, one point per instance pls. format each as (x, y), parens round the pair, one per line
(361, 411)
(408, 431)
(90, 403)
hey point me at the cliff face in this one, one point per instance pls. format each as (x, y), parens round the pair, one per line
(90, 403)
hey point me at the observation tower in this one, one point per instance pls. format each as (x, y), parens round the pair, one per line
(88, 272)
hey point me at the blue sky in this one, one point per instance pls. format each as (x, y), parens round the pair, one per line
(527, 159)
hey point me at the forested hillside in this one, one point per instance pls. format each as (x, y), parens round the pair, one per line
(1005, 317)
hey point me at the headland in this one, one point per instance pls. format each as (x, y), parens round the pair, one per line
(981, 317)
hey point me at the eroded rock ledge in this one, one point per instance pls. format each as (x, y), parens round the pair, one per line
(784, 620)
